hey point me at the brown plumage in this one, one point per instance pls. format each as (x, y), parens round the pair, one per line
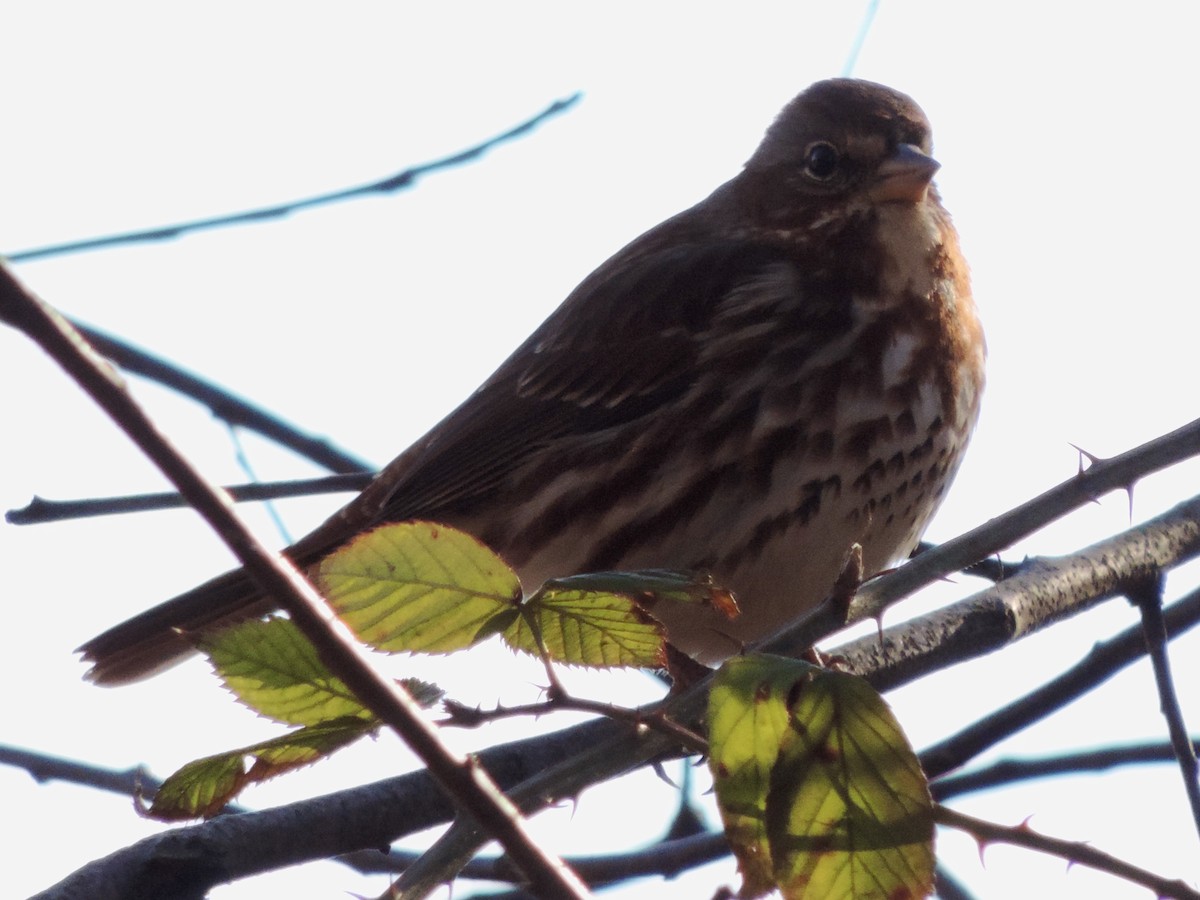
(791, 366)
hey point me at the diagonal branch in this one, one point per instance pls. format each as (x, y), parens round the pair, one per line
(1074, 852)
(398, 181)
(1104, 661)
(224, 404)
(462, 778)
(1146, 595)
(40, 510)
(546, 769)
(1049, 589)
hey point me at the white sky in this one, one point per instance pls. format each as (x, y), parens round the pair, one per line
(1067, 135)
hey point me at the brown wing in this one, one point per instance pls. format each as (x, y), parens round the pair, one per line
(622, 345)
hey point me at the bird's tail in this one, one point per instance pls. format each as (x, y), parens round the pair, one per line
(161, 637)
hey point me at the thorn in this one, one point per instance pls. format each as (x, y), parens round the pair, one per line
(1083, 454)
(657, 768)
(1128, 489)
(982, 844)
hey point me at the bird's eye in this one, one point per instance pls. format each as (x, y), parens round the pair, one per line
(821, 160)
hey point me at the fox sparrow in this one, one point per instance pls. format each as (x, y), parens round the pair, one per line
(791, 366)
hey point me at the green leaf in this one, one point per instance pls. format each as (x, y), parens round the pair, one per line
(747, 720)
(202, 787)
(646, 587)
(849, 813)
(273, 669)
(419, 587)
(586, 628)
(819, 790)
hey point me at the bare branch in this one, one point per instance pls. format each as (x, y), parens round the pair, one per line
(1011, 771)
(1146, 595)
(404, 179)
(223, 403)
(1104, 661)
(1047, 590)
(1072, 851)
(960, 553)
(463, 778)
(40, 510)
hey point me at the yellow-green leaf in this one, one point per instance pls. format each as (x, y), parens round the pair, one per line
(419, 586)
(848, 812)
(202, 787)
(647, 587)
(820, 793)
(587, 628)
(747, 720)
(272, 668)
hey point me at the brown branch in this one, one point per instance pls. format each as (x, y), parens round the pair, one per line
(463, 778)
(1072, 851)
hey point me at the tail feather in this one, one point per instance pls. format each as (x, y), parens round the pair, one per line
(160, 637)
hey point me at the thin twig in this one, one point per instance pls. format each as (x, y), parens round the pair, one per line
(398, 181)
(1101, 663)
(223, 404)
(40, 510)
(1049, 589)
(1146, 595)
(1011, 771)
(1074, 852)
(561, 701)
(463, 778)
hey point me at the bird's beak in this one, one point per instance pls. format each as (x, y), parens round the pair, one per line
(904, 176)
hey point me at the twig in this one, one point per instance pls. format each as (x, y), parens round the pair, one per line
(1076, 853)
(223, 404)
(1101, 663)
(463, 778)
(1048, 589)
(403, 179)
(540, 771)
(1010, 771)
(993, 568)
(1146, 595)
(40, 510)
(561, 701)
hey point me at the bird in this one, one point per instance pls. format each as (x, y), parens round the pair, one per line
(789, 368)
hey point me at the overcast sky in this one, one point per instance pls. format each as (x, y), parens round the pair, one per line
(1067, 136)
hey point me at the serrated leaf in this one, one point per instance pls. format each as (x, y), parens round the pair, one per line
(272, 668)
(419, 587)
(747, 720)
(586, 628)
(848, 812)
(200, 788)
(646, 587)
(820, 793)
